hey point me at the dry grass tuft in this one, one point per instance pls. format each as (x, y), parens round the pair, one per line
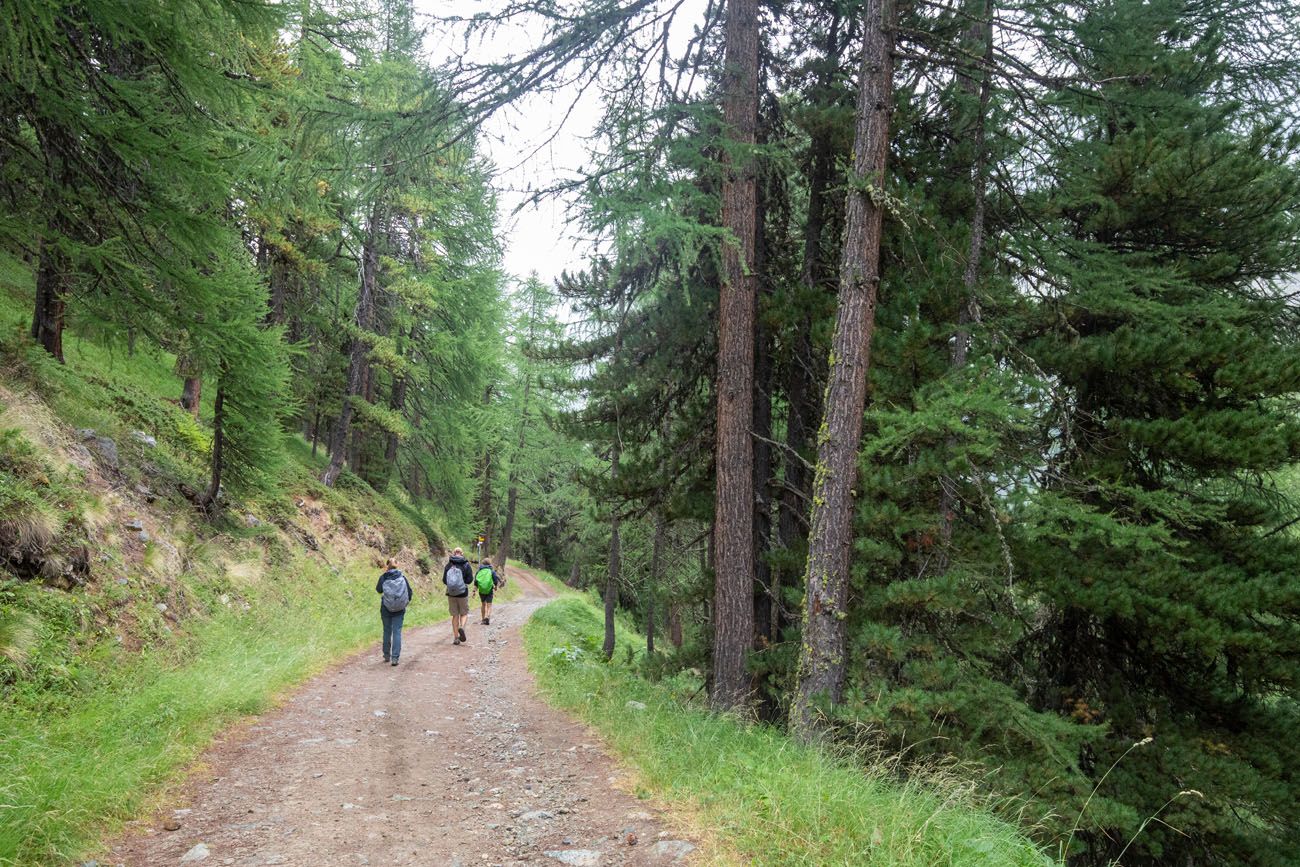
(27, 529)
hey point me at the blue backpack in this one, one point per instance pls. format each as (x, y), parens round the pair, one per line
(395, 595)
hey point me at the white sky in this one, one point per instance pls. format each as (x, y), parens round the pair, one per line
(532, 143)
(516, 140)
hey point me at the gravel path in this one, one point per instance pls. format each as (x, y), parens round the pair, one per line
(448, 759)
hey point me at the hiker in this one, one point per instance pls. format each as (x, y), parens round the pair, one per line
(486, 581)
(395, 595)
(457, 576)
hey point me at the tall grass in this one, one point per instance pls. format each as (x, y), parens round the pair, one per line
(756, 794)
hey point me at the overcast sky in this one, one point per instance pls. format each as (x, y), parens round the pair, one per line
(532, 143)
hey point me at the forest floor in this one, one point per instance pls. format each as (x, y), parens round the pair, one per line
(449, 759)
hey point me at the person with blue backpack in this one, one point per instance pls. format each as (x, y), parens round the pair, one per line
(457, 576)
(395, 595)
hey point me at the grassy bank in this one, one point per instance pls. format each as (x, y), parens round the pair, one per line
(134, 629)
(764, 799)
(69, 777)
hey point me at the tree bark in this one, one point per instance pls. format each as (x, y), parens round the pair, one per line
(733, 607)
(190, 394)
(821, 658)
(615, 561)
(51, 299)
(357, 355)
(675, 624)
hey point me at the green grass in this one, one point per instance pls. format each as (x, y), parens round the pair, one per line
(758, 796)
(68, 778)
(93, 729)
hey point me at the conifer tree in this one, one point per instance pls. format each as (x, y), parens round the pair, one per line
(1168, 606)
(733, 614)
(822, 658)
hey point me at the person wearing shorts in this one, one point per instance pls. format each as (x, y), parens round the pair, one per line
(486, 586)
(457, 577)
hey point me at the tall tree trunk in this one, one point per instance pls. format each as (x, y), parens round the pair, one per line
(51, 299)
(575, 573)
(981, 38)
(512, 493)
(209, 497)
(821, 658)
(191, 391)
(359, 351)
(733, 605)
(675, 624)
(615, 561)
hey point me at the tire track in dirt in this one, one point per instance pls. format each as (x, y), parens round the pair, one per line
(449, 759)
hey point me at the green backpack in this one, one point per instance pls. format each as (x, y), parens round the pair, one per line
(484, 581)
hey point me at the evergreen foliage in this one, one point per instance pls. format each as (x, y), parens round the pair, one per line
(1073, 557)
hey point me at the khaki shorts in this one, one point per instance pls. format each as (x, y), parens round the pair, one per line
(459, 605)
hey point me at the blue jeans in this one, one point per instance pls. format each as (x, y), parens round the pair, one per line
(392, 631)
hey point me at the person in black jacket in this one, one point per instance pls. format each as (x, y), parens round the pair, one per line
(457, 576)
(392, 608)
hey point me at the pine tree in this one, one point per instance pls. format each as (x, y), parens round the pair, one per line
(1168, 602)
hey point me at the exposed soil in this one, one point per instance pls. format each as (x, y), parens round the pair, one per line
(447, 759)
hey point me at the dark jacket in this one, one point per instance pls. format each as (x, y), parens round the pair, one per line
(379, 585)
(463, 565)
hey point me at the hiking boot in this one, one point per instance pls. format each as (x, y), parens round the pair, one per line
(455, 641)
(487, 621)
(394, 662)
(462, 635)
(385, 659)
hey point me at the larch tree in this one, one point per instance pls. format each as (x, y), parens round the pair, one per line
(733, 613)
(822, 654)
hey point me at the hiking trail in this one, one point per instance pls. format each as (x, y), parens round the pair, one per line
(449, 759)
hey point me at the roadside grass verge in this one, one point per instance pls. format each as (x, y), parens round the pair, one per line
(749, 788)
(69, 778)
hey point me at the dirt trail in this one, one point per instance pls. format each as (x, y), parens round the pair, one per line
(449, 759)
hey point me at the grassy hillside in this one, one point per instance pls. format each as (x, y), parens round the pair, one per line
(132, 629)
(757, 797)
